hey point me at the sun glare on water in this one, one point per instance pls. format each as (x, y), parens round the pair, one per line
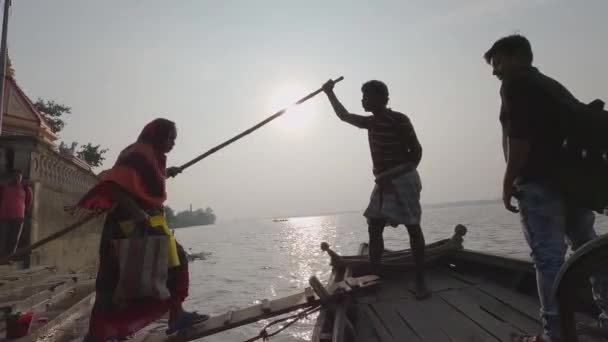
(297, 117)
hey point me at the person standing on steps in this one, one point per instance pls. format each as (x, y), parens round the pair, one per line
(396, 153)
(15, 198)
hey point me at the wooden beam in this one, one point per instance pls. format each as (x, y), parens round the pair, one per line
(247, 315)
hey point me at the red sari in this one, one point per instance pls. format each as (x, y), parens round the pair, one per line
(140, 171)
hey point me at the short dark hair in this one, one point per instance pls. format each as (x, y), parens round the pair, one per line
(375, 87)
(17, 172)
(513, 45)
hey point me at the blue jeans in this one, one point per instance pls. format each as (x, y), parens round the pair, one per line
(548, 223)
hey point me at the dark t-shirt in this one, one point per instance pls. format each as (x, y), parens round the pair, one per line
(392, 139)
(532, 104)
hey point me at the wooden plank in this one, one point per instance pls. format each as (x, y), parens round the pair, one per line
(439, 315)
(360, 281)
(364, 329)
(395, 288)
(439, 281)
(15, 274)
(80, 305)
(318, 334)
(526, 305)
(41, 302)
(339, 330)
(396, 326)
(422, 321)
(508, 314)
(471, 279)
(25, 279)
(26, 291)
(242, 317)
(462, 302)
(376, 322)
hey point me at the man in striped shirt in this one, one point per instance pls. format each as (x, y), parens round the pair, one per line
(396, 154)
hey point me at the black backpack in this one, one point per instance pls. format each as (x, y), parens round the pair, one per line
(583, 169)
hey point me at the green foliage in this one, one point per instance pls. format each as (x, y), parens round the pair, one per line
(92, 154)
(52, 113)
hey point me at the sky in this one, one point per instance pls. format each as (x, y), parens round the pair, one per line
(218, 67)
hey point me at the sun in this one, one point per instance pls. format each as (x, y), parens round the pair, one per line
(297, 117)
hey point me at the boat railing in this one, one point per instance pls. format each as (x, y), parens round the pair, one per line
(589, 259)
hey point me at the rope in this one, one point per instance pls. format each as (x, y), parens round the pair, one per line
(265, 336)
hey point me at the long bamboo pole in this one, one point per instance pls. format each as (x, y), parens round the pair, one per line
(250, 130)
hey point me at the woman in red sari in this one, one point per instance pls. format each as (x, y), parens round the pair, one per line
(133, 191)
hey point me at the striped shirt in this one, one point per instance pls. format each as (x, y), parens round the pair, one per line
(392, 139)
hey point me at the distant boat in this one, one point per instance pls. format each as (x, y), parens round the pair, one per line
(280, 220)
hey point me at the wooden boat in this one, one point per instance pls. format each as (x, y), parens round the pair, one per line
(475, 297)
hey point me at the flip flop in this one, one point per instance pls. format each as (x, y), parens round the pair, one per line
(185, 322)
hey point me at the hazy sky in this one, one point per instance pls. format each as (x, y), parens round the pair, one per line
(218, 67)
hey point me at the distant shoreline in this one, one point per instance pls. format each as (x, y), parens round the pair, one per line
(430, 206)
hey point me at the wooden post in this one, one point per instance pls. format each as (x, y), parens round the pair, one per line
(3, 56)
(336, 259)
(321, 291)
(458, 238)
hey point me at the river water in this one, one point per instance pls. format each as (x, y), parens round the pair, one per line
(253, 260)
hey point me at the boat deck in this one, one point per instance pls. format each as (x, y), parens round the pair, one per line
(462, 308)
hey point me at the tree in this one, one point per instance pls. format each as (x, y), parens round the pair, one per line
(91, 154)
(52, 113)
(187, 218)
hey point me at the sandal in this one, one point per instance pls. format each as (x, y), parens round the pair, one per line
(185, 322)
(515, 337)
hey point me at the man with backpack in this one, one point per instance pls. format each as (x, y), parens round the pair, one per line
(15, 197)
(396, 154)
(533, 111)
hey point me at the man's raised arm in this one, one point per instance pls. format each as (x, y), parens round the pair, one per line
(353, 119)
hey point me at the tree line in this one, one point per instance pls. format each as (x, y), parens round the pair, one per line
(189, 218)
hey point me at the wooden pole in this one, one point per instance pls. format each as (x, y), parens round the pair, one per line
(250, 130)
(3, 57)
